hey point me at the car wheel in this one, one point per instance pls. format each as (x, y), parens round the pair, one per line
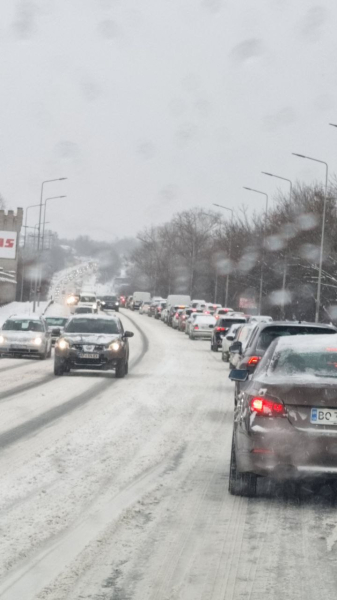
(240, 484)
(121, 368)
(191, 337)
(49, 353)
(214, 348)
(58, 368)
(117, 309)
(126, 367)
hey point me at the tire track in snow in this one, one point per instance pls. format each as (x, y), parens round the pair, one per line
(30, 427)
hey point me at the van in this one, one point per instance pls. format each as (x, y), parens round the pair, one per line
(138, 298)
(178, 299)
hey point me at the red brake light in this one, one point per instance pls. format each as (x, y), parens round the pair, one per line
(196, 326)
(253, 361)
(221, 328)
(267, 408)
(176, 316)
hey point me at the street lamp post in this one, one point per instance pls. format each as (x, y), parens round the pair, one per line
(24, 245)
(229, 249)
(39, 231)
(319, 284)
(265, 225)
(44, 215)
(285, 266)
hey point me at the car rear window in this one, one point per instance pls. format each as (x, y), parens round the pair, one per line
(229, 322)
(269, 334)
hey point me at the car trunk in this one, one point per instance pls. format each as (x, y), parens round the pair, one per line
(301, 398)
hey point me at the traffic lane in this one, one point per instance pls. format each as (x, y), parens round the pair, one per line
(188, 538)
(54, 465)
(163, 412)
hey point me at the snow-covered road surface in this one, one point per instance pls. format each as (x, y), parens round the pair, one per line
(117, 489)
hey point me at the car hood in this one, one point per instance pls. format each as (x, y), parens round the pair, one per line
(91, 338)
(21, 336)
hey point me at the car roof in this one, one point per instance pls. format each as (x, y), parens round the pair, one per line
(264, 325)
(308, 342)
(95, 317)
(25, 317)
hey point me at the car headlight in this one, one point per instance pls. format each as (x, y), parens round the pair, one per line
(115, 346)
(2, 339)
(62, 344)
(94, 306)
(37, 341)
(117, 303)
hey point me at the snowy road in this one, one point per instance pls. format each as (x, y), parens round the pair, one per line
(117, 489)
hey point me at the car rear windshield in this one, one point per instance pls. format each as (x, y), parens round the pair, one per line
(269, 334)
(56, 321)
(292, 362)
(22, 325)
(92, 326)
(83, 310)
(87, 299)
(229, 322)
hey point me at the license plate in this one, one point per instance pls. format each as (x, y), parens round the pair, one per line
(87, 355)
(323, 416)
(18, 347)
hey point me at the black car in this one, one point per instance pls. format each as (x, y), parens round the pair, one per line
(221, 328)
(110, 303)
(248, 355)
(56, 326)
(93, 342)
(285, 424)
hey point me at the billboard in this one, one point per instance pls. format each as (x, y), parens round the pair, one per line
(8, 244)
(247, 303)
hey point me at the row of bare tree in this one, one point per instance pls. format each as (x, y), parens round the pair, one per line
(204, 254)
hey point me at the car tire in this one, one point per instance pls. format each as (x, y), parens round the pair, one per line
(117, 309)
(191, 337)
(223, 356)
(214, 348)
(58, 368)
(240, 484)
(121, 368)
(49, 353)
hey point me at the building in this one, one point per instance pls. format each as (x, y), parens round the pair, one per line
(10, 228)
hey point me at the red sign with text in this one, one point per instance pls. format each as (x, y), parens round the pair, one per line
(8, 244)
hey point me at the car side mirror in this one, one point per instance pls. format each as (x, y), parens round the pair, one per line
(128, 334)
(236, 348)
(230, 337)
(238, 375)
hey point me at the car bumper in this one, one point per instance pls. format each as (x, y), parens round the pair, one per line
(201, 334)
(287, 453)
(106, 360)
(18, 349)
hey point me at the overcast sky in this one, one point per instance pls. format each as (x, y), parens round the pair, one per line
(153, 106)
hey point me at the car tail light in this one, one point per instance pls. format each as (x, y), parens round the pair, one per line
(183, 317)
(267, 408)
(253, 361)
(196, 326)
(221, 328)
(176, 316)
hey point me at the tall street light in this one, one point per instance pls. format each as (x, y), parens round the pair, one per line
(39, 230)
(24, 245)
(44, 214)
(265, 225)
(319, 285)
(229, 249)
(286, 252)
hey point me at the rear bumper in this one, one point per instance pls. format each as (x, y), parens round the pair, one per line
(206, 335)
(288, 454)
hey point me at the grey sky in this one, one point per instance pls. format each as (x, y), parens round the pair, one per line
(152, 106)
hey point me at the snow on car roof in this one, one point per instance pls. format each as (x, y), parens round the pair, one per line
(310, 342)
(24, 317)
(208, 318)
(95, 317)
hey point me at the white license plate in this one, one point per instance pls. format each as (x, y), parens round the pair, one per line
(89, 355)
(323, 416)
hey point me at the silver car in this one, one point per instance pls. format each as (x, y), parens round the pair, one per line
(25, 334)
(202, 327)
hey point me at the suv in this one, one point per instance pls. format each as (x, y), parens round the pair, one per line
(221, 328)
(110, 303)
(251, 345)
(93, 342)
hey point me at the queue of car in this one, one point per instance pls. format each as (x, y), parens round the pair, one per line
(285, 391)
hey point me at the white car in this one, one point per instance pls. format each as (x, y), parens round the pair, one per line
(190, 321)
(175, 318)
(26, 334)
(202, 327)
(87, 300)
(228, 340)
(144, 307)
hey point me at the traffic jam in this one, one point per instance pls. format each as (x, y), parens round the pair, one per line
(284, 387)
